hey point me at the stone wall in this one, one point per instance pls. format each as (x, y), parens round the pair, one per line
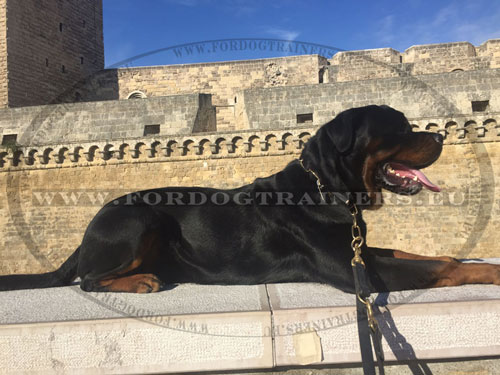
(3, 54)
(365, 64)
(490, 50)
(77, 122)
(51, 45)
(225, 80)
(432, 96)
(416, 60)
(51, 193)
(221, 79)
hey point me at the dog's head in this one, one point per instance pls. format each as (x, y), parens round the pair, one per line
(369, 148)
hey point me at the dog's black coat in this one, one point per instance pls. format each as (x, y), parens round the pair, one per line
(255, 243)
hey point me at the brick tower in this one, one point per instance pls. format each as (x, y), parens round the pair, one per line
(46, 46)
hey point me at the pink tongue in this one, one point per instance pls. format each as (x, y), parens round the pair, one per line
(403, 170)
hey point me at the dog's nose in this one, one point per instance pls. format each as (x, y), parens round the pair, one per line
(438, 138)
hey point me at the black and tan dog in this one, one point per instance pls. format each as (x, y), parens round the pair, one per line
(277, 229)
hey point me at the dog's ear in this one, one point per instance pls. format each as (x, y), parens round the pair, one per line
(341, 131)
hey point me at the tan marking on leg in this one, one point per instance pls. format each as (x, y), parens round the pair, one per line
(139, 283)
(454, 274)
(135, 264)
(404, 255)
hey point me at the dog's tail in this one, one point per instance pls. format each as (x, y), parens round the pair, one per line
(63, 276)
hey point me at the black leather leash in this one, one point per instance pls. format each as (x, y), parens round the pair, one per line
(368, 329)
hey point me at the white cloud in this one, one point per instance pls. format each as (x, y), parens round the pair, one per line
(451, 23)
(189, 3)
(284, 34)
(386, 32)
(236, 7)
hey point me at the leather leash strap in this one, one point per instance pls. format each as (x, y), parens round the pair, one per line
(368, 329)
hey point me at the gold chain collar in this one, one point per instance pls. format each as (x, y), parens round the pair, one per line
(318, 181)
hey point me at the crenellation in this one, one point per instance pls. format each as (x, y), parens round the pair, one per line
(439, 52)
(460, 129)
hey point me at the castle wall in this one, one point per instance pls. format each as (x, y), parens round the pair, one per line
(365, 64)
(416, 60)
(491, 51)
(49, 200)
(76, 122)
(45, 36)
(221, 79)
(441, 51)
(424, 96)
(260, 108)
(224, 80)
(3, 54)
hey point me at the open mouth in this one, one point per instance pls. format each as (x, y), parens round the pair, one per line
(401, 179)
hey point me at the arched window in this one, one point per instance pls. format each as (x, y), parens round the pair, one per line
(136, 95)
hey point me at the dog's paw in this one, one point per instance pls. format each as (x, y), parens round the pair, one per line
(148, 283)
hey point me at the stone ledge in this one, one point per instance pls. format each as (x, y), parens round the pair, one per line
(156, 149)
(459, 129)
(212, 328)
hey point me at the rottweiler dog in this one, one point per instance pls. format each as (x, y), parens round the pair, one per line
(293, 226)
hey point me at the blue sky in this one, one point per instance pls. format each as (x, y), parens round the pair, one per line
(133, 27)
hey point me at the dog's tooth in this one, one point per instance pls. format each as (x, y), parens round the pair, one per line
(415, 178)
(397, 174)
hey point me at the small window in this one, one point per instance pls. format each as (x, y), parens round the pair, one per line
(61, 27)
(151, 129)
(81, 60)
(63, 69)
(78, 97)
(136, 95)
(480, 106)
(400, 59)
(321, 75)
(305, 118)
(9, 139)
(84, 23)
(47, 62)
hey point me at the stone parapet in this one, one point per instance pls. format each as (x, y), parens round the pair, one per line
(434, 96)
(459, 129)
(117, 119)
